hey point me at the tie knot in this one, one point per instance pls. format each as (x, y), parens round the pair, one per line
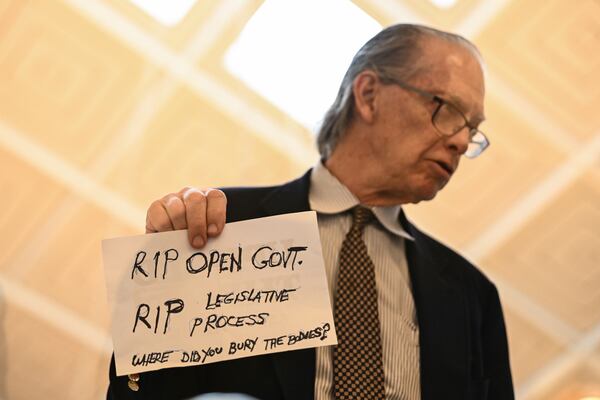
(361, 216)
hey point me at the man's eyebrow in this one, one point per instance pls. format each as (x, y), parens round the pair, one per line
(458, 102)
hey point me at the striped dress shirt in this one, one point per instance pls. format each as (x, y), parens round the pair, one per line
(385, 244)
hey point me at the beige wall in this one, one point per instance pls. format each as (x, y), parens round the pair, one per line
(102, 109)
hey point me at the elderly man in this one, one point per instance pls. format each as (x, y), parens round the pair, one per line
(414, 319)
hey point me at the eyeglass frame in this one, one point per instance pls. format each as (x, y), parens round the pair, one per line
(441, 102)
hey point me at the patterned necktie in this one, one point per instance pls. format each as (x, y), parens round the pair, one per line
(357, 359)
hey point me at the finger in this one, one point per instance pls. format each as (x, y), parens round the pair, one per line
(195, 206)
(175, 210)
(216, 207)
(157, 219)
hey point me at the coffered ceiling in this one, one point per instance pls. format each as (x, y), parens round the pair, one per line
(104, 109)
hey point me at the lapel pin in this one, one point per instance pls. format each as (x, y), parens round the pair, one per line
(133, 382)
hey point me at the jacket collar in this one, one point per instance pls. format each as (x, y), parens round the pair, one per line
(288, 198)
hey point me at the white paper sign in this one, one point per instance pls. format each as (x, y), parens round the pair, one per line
(260, 287)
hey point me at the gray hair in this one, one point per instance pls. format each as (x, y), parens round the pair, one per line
(391, 53)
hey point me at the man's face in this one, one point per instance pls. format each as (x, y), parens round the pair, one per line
(415, 161)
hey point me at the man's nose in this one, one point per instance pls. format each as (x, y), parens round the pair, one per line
(459, 142)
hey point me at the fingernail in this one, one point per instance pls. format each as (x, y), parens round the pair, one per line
(212, 229)
(198, 242)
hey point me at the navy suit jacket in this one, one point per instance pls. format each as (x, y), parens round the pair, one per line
(462, 337)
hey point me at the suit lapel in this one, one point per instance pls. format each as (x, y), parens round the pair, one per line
(295, 369)
(442, 316)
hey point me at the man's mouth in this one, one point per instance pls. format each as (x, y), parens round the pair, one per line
(445, 166)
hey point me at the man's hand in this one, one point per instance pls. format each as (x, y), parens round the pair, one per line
(201, 211)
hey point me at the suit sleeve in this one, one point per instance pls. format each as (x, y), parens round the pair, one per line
(495, 350)
(114, 382)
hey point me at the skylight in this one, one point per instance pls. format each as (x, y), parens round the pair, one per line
(168, 13)
(295, 53)
(444, 4)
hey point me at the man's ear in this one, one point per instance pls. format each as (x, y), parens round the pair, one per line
(365, 88)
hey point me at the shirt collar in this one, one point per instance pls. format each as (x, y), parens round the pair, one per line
(327, 195)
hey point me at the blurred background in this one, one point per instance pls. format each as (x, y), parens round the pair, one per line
(108, 105)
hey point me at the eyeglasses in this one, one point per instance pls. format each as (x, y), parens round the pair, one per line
(448, 120)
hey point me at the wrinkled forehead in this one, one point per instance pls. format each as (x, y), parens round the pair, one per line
(454, 69)
(453, 62)
(445, 59)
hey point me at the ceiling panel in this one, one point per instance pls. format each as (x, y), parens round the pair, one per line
(63, 81)
(178, 36)
(530, 347)
(555, 257)
(580, 383)
(28, 199)
(35, 357)
(209, 149)
(548, 51)
(72, 275)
